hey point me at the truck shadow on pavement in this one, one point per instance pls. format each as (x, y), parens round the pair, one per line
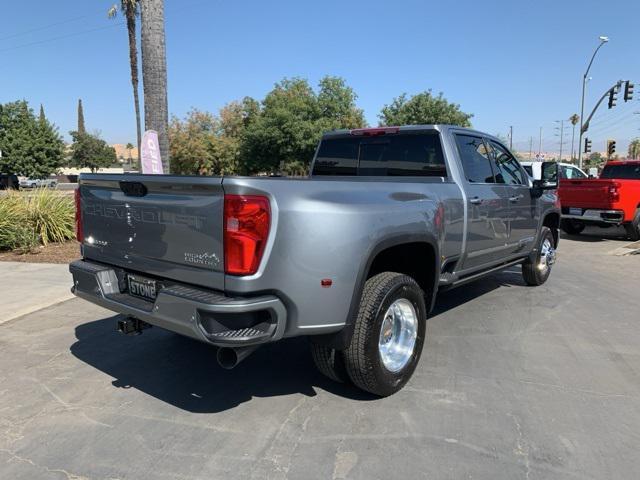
(594, 234)
(184, 372)
(450, 299)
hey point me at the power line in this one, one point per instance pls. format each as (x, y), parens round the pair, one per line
(60, 37)
(612, 123)
(44, 27)
(53, 39)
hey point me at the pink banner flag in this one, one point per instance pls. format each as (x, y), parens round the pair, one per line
(150, 155)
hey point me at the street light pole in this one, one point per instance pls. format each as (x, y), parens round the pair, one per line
(603, 40)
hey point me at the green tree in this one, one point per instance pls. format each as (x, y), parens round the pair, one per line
(154, 74)
(42, 118)
(191, 143)
(634, 148)
(30, 146)
(130, 10)
(90, 151)
(423, 109)
(594, 160)
(291, 120)
(203, 144)
(81, 128)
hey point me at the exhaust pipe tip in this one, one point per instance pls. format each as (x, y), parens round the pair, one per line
(229, 357)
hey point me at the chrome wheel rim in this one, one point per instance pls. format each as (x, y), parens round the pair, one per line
(398, 335)
(547, 256)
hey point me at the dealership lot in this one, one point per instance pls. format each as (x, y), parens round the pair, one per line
(514, 382)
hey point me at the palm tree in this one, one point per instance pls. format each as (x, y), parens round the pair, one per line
(634, 148)
(129, 147)
(574, 119)
(154, 74)
(129, 9)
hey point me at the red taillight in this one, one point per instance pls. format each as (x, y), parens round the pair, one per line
(79, 232)
(614, 192)
(246, 227)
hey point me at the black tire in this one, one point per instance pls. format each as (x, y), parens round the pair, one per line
(531, 272)
(330, 362)
(633, 228)
(362, 358)
(571, 227)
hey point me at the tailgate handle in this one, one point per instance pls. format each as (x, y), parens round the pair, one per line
(133, 189)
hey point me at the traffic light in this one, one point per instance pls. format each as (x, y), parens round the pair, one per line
(613, 97)
(611, 147)
(628, 91)
(587, 145)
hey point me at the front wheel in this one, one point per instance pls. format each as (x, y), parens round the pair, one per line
(571, 227)
(536, 272)
(388, 335)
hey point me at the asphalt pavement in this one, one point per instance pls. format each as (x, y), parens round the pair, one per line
(515, 382)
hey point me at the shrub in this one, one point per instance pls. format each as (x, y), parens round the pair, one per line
(52, 215)
(42, 216)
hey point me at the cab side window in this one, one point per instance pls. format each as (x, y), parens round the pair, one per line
(475, 159)
(570, 173)
(507, 168)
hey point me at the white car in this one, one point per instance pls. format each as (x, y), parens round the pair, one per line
(567, 170)
(38, 182)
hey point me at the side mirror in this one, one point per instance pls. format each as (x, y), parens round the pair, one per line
(539, 186)
(550, 175)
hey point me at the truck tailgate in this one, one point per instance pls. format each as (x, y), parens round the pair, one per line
(169, 226)
(591, 193)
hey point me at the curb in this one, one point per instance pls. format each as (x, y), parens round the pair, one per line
(35, 308)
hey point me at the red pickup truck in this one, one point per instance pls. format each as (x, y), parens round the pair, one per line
(612, 199)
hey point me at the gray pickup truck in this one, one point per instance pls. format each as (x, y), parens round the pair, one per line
(351, 256)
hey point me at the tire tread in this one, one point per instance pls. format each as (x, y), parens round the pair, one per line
(357, 362)
(328, 362)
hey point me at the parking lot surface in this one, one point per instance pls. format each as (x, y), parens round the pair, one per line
(514, 382)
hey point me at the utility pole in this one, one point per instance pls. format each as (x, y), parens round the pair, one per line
(511, 137)
(540, 143)
(530, 146)
(561, 137)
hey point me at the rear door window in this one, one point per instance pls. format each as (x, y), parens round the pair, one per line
(475, 159)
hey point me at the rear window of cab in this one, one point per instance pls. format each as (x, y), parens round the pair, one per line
(398, 154)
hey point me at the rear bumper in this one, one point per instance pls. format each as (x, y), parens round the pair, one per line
(205, 315)
(592, 215)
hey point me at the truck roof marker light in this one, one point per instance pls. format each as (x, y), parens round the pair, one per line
(326, 283)
(374, 132)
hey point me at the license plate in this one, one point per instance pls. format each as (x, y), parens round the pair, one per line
(142, 287)
(575, 211)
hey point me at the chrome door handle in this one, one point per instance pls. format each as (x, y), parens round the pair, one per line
(515, 199)
(475, 200)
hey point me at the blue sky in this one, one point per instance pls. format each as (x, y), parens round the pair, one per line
(508, 62)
